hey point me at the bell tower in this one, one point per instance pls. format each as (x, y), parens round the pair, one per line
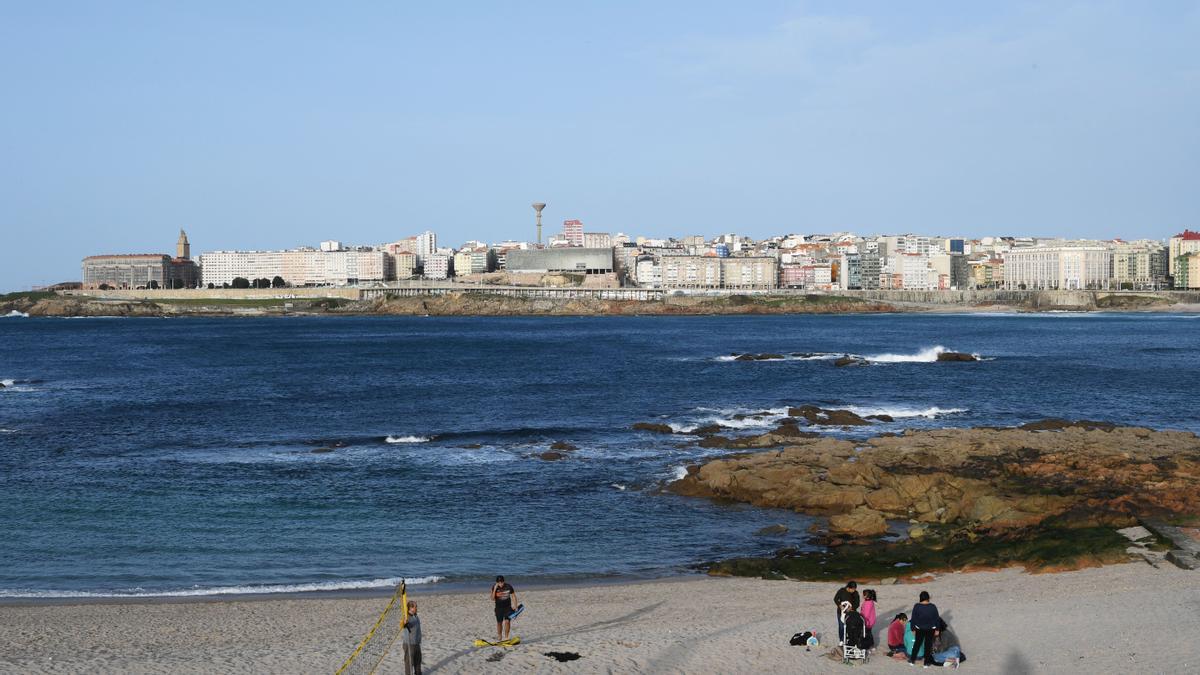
(183, 250)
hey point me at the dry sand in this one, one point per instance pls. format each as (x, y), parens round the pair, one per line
(1128, 618)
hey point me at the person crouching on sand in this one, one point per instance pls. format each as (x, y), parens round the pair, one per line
(506, 599)
(412, 641)
(895, 636)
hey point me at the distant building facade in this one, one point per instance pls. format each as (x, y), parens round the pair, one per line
(1058, 268)
(586, 260)
(1181, 244)
(138, 270)
(573, 232)
(297, 267)
(142, 270)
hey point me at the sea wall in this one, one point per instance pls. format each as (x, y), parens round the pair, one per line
(166, 295)
(1032, 299)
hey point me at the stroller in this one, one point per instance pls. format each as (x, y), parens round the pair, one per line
(855, 646)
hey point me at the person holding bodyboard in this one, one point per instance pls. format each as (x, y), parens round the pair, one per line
(505, 598)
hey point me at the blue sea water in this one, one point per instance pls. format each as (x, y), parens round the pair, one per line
(153, 456)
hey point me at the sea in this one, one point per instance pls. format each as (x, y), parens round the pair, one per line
(213, 456)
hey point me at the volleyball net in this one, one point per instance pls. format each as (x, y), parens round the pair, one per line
(377, 644)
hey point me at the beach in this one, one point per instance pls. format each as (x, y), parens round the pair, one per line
(1121, 618)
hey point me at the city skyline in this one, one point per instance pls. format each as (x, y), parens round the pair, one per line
(281, 125)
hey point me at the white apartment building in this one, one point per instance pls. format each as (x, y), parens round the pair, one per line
(426, 245)
(437, 266)
(297, 267)
(1058, 268)
(222, 267)
(597, 240)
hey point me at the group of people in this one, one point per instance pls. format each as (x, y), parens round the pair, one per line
(923, 634)
(502, 594)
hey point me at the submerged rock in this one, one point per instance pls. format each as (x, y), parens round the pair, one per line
(772, 530)
(849, 361)
(562, 445)
(552, 456)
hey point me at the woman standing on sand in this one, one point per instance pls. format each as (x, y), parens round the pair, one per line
(924, 621)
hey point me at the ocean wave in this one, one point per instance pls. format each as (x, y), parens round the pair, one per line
(902, 412)
(225, 590)
(794, 356)
(408, 439)
(7, 383)
(14, 314)
(679, 472)
(924, 356)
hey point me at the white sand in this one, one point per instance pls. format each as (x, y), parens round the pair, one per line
(1121, 619)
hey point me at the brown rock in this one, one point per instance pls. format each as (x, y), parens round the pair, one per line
(848, 361)
(861, 522)
(551, 456)
(956, 356)
(653, 426)
(562, 445)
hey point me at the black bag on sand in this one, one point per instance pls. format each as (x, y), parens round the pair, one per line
(800, 639)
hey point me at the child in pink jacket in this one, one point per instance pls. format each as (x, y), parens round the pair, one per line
(867, 610)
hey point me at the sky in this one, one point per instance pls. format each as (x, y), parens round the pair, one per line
(272, 125)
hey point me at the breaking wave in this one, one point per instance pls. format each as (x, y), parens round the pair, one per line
(225, 590)
(408, 439)
(14, 314)
(924, 356)
(899, 412)
(794, 356)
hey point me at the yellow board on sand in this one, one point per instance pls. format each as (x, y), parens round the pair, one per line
(511, 642)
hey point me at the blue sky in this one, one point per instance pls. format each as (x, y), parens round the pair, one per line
(271, 125)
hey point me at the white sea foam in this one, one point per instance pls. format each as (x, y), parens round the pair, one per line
(620, 487)
(924, 356)
(817, 356)
(7, 383)
(224, 590)
(899, 412)
(14, 314)
(408, 439)
(679, 472)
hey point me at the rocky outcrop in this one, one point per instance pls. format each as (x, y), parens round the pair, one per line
(563, 446)
(849, 361)
(956, 356)
(823, 417)
(654, 427)
(757, 357)
(984, 480)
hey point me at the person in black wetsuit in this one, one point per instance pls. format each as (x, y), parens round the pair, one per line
(506, 599)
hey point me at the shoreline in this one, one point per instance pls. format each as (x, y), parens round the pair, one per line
(1007, 621)
(584, 302)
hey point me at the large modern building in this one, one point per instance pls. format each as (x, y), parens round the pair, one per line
(142, 270)
(712, 272)
(297, 267)
(1058, 268)
(586, 260)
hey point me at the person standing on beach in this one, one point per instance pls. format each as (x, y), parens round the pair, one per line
(412, 641)
(847, 594)
(506, 598)
(925, 622)
(868, 614)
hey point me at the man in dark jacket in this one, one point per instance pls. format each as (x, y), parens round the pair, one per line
(847, 594)
(924, 621)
